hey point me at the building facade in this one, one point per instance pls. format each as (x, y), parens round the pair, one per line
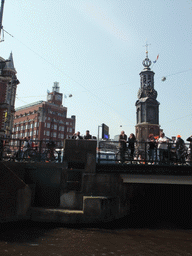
(44, 120)
(8, 87)
(147, 107)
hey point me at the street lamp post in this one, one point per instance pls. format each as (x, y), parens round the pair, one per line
(99, 126)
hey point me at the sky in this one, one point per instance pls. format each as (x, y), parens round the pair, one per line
(95, 49)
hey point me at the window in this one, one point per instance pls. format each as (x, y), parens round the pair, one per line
(55, 127)
(48, 125)
(31, 125)
(34, 132)
(62, 136)
(48, 133)
(35, 124)
(69, 129)
(54, 135)
(44, 124)
(31, 133)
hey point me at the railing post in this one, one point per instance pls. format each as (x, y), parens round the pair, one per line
(40, 143)
(168, 153)
(145, 152)
(19, 153)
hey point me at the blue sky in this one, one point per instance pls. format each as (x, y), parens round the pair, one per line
(95, 49)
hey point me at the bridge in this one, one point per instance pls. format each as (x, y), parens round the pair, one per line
(82, 186)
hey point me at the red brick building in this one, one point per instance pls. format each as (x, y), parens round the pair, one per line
(44, 120)
(8, 87)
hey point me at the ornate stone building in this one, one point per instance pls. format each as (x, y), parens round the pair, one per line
(8, 87)
(147, 107)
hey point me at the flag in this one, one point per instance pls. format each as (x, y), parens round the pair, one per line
(156, 59)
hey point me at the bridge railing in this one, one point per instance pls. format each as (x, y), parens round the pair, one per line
(111, 152)
(37, 150)
(108, 152)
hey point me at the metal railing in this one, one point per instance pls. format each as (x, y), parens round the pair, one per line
(109, 152)
(19, 150)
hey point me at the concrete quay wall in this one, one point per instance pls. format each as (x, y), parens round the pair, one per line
(51, 192)
(15, 196)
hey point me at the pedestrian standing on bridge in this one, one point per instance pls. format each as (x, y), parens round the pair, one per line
(77, 136)
(88, 136)
(180, 147)
(131, 144)
(190, 149)
(152, 146)
(162, 146)
(122, 145)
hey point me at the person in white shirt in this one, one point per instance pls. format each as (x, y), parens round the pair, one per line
(162, 146)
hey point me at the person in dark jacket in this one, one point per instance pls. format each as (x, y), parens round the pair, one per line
(180, 147)
(131, 144)
(152, 146)
(88, 136)
(190, 149)
(190, 140)
(122, 145)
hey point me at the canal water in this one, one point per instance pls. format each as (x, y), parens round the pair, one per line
(128, 236)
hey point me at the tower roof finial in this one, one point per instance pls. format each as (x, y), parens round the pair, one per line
(146, 62)
(146, 45)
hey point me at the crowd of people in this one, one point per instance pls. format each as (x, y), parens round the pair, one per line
(88, 136)
(156, 149)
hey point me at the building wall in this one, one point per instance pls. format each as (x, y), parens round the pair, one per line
(43, 121)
